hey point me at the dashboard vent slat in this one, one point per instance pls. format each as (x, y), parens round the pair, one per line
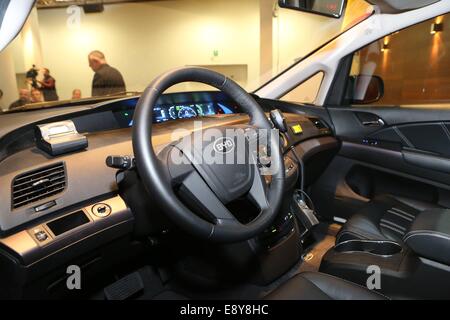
(38, 184)
(38, 173)
(29, 183)
(37, 191)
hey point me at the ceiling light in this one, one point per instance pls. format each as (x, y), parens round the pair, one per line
(436, 27)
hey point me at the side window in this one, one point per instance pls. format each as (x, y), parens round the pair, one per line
(409, 67)
(305, 92)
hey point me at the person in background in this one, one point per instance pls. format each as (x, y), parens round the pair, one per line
(107, 80)
(24, 98)
(31, 76)
(76, 94)
(48, 86)
(36, 96)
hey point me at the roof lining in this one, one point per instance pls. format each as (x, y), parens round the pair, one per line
(400, 6)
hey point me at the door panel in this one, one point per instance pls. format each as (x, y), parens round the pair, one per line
(399, 144)
(406, 154)
(426, 160)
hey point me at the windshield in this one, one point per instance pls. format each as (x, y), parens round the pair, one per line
(67, 51)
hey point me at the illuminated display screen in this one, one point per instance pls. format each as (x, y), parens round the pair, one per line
(163, 113)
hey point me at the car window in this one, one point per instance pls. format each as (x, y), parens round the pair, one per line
(412, 64)
(68, 51)
(306, 92)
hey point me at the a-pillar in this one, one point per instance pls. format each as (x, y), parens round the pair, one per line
(8, 83)
(266, 8)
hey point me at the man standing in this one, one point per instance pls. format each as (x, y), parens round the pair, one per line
(24, 98)
(107, 80)
(48, 87)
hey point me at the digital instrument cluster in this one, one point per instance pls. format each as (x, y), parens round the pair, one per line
(168, 112)
(187, 111)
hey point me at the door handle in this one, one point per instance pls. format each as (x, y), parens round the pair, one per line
(374, 123)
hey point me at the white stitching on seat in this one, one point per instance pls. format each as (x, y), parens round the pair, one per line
(425, 233)
(392, 228)
(404, 212)
(401, 216)
(393, 224)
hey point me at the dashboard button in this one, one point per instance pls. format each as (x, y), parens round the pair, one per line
(40, 235)
(45, 206)
(101, 210)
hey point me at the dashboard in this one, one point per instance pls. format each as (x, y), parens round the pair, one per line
(107, 128)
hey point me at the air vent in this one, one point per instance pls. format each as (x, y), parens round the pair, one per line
(38, 184)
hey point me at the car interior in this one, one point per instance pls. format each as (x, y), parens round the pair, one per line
(358, 184)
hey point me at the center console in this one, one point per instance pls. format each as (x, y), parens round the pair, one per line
(280, 246)
(417, 268)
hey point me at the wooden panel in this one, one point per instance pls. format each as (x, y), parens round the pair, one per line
(415, 67)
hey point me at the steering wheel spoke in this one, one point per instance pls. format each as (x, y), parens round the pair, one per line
(258, 191)
(195, 190)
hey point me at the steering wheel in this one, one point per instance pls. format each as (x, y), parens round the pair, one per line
(177, 175)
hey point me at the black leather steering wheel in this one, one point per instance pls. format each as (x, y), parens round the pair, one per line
(208, 188)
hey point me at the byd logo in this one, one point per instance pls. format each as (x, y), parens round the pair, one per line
(224, 145)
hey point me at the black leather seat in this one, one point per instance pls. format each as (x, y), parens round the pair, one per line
(384, 218)
(320, 286)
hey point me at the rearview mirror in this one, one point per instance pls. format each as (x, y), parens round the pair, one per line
(365, 89)
(13, 15)
(330, 8)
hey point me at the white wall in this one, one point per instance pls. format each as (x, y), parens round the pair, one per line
(145, 39)
(295, 34)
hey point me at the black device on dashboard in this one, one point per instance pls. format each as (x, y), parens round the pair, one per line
(59, 138)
